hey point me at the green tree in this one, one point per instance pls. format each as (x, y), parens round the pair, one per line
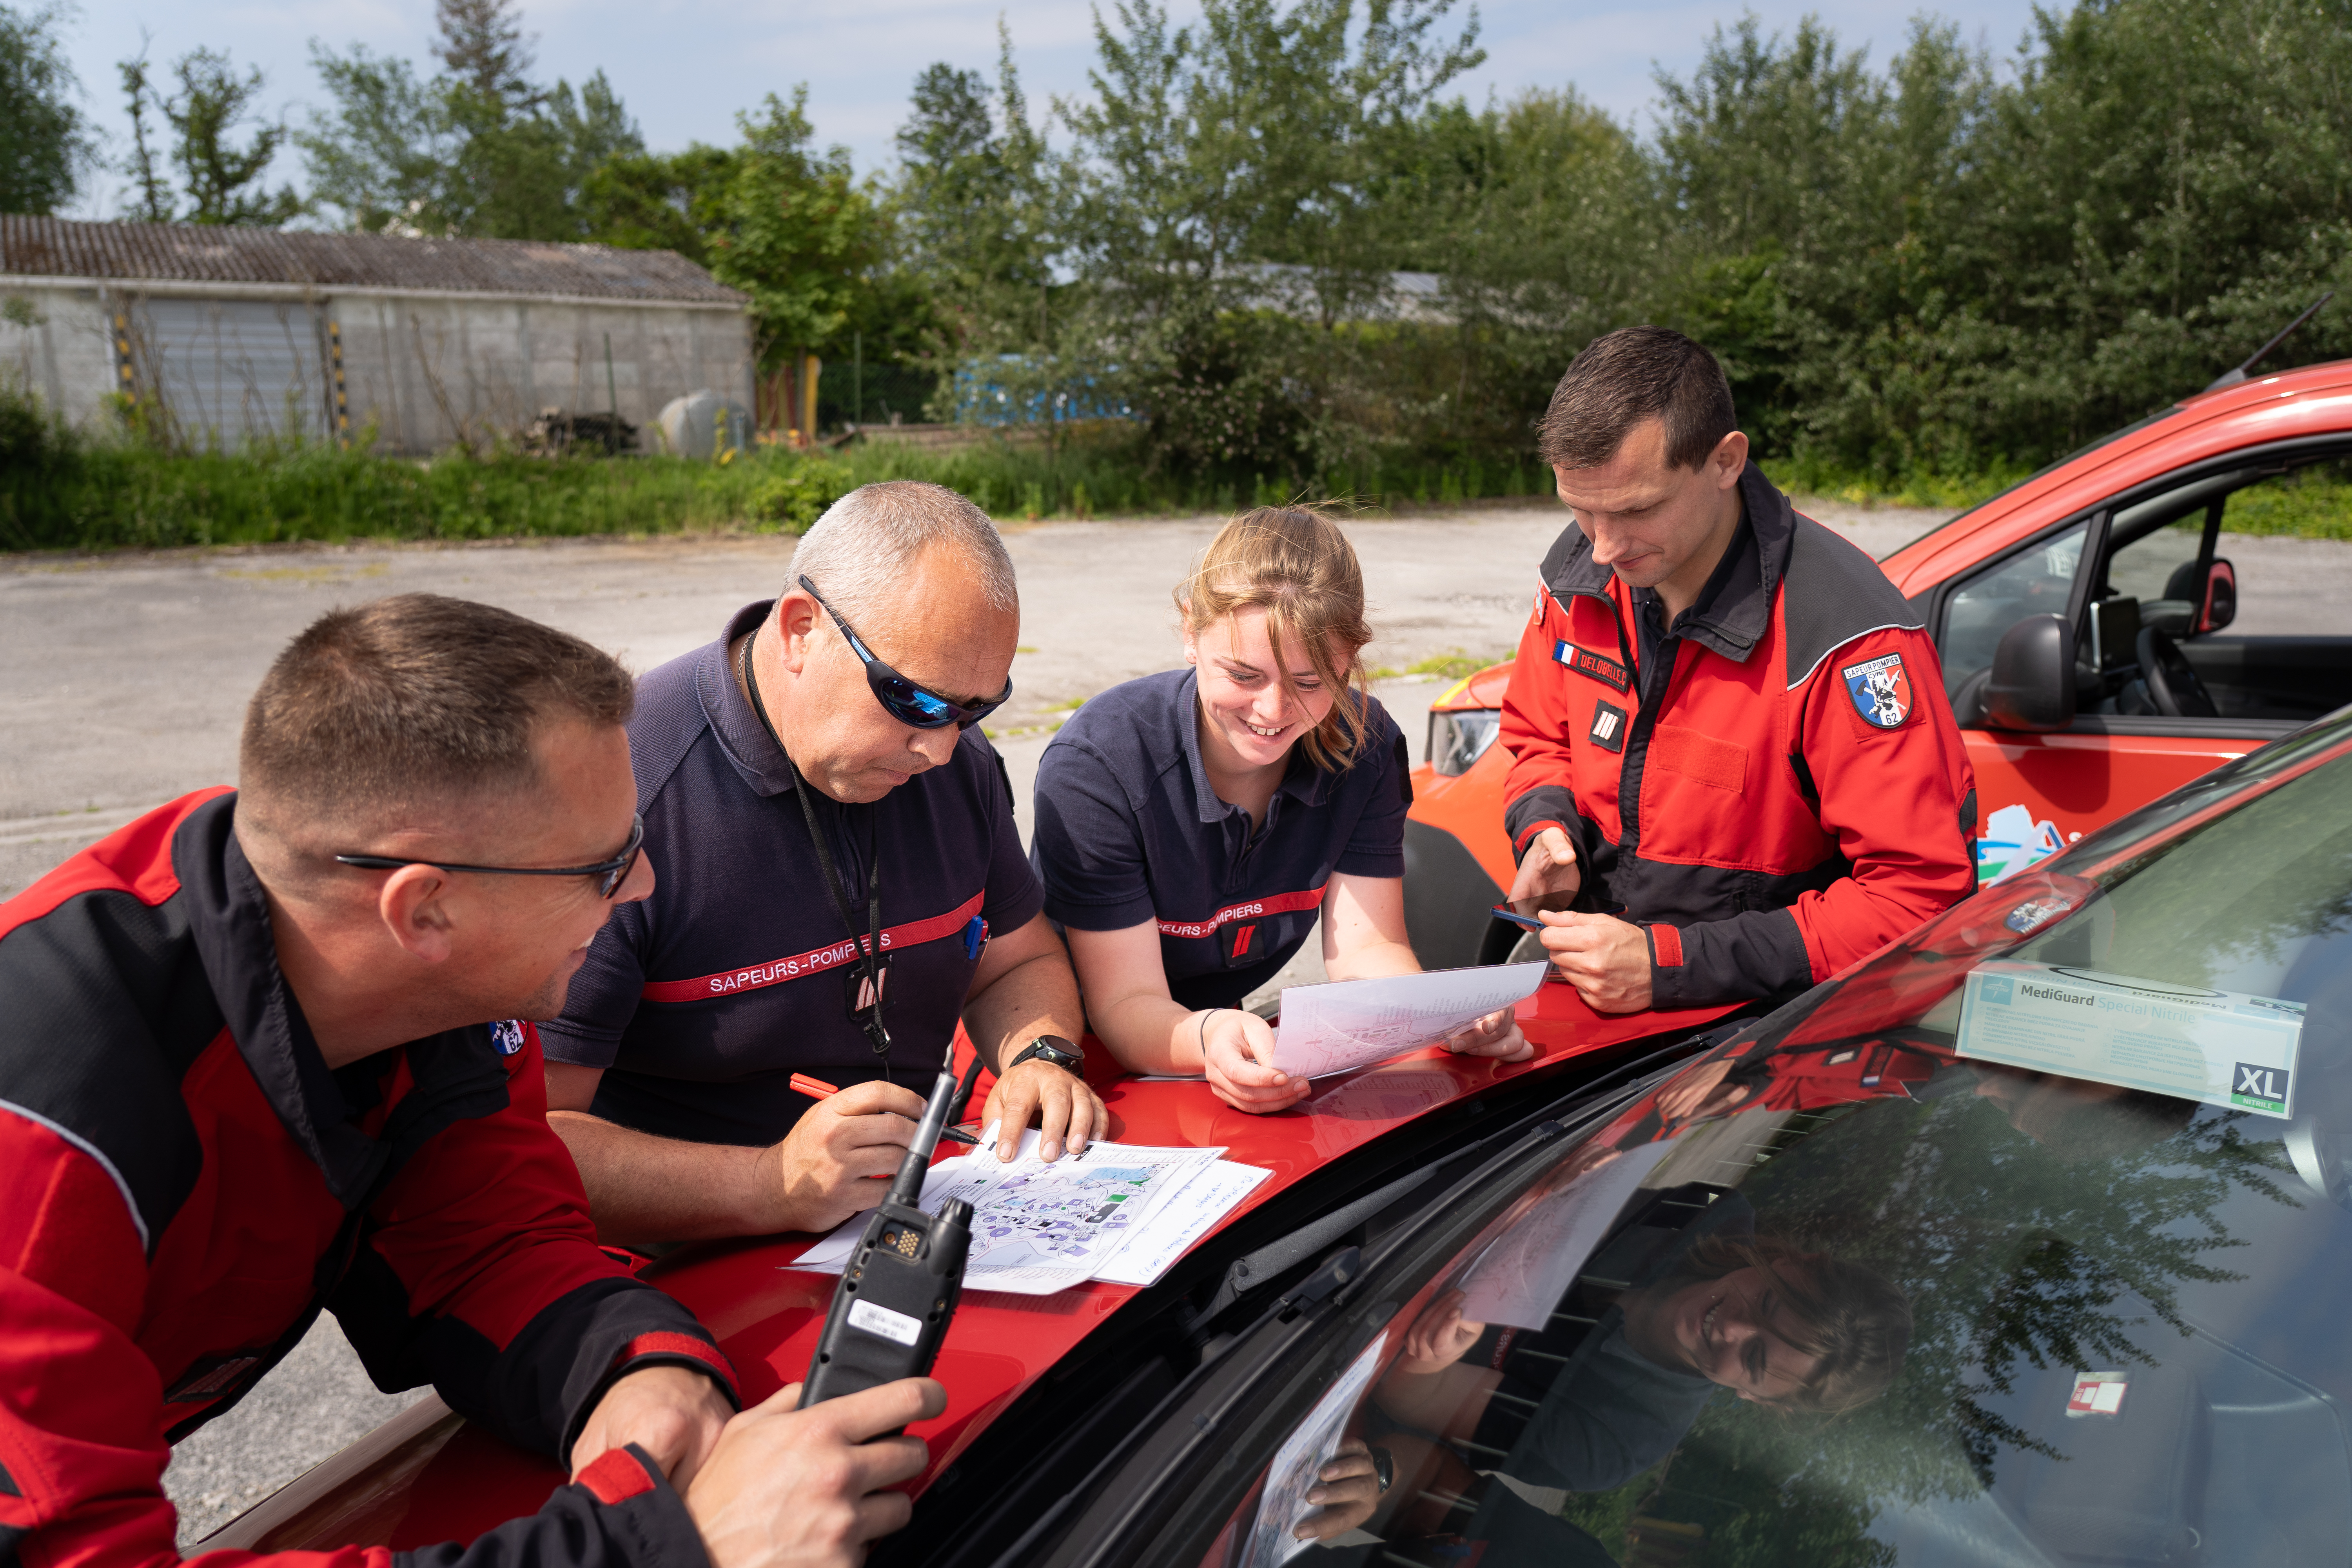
(655, 201)
(221, 182)
(483, 44)
(479, 149)
(43, 142)
(1224, 184)
(974, 204)
(383, 156)
(974, 215)
(788, 226)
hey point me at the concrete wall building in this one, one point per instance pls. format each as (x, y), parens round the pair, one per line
(229, 336)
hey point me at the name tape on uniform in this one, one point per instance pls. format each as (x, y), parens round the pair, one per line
(1584, 661)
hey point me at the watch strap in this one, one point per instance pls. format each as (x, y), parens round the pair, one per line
(1063, 1054)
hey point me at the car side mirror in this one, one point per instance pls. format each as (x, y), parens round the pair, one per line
(2032, 684)
(2219, 605)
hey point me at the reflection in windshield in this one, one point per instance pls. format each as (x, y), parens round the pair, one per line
(1855, 1300)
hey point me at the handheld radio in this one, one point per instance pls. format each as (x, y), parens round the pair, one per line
(892, 1308)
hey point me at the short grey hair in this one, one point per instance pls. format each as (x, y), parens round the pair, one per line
(868, 541)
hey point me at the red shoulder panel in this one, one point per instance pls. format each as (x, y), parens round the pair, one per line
(134, 858)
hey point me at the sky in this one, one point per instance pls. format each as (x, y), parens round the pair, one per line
(684, 69)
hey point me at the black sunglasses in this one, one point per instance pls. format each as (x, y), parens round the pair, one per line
(908, 703)
(610, 874)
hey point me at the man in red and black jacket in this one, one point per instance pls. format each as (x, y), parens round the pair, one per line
(1728, 729)
(245, 1077)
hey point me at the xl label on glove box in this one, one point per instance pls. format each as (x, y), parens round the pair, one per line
(2222, 1048)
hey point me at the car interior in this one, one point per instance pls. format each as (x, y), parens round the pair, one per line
(2159, 636)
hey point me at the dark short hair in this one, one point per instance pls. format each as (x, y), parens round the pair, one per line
(417, 697)
(1632, 374)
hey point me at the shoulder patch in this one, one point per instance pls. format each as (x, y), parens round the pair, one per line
(1880, 690)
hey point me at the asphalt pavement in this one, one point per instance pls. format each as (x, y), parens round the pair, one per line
(123, 679)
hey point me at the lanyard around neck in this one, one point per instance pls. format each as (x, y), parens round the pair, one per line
(877, 1034)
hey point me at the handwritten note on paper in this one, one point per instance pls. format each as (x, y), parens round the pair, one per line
(1524, 1272)
(1344, 1024)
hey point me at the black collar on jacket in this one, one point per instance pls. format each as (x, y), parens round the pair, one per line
(1734, 619)
(453, 1074)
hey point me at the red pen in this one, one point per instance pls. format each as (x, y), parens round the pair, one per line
(817, 1088)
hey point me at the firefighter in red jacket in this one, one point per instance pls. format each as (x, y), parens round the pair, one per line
(245, 1076)
(1729, 734)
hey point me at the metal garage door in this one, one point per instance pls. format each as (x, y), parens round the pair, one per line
(233, 370)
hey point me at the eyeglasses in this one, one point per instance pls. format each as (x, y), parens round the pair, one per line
(908, 703)
(610, 874)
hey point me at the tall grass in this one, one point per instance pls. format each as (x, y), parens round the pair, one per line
(58, 492)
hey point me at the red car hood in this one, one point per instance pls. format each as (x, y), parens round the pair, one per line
(427, 1477)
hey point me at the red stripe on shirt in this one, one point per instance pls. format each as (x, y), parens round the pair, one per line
(815, 961)
(1279, 904)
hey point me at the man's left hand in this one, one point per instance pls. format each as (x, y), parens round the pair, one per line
(1068, 1112)
(673, 1413)
(1606, 959)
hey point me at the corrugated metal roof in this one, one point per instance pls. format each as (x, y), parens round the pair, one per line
(189, 253)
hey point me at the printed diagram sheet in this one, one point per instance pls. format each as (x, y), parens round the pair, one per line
(1039, 1227)
(1291, 1476)
(1343, 1025)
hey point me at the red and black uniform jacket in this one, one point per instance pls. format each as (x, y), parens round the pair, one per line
(185, 1184)
(1782, 796)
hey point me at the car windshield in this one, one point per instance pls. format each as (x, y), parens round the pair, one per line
(2026, 1243)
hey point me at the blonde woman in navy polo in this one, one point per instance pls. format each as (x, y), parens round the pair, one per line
(1193, 825)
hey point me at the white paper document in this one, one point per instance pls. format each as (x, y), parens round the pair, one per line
(1524, 1272)
(1343, 1025)
(1039, 1227)
(1291, 1476)
(2222, 1048)
(1191, 1212)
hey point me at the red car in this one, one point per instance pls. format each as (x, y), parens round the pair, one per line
(2083, 618)
(1853, 1286)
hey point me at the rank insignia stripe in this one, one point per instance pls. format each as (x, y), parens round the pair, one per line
(1880, 690)
(1607, 731)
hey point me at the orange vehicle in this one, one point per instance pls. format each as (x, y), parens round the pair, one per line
(2085, 621)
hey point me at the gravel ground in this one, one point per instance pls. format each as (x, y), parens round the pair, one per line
(123, 680)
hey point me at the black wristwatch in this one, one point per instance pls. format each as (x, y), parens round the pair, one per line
(1063, 1054)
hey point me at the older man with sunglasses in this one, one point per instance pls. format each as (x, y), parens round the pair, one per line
(841, 881)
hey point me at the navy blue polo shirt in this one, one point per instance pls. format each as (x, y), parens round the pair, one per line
(1128, 830)
(702, 1001)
